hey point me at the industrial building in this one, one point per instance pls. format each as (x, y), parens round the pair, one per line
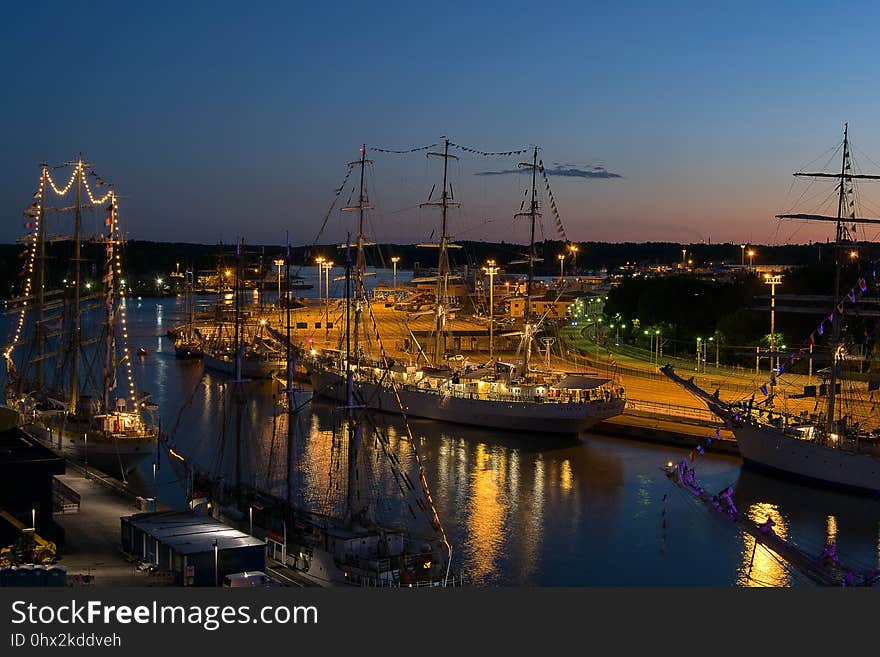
(196, 548)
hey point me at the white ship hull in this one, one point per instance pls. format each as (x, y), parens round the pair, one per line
(250, 369)
(770, 448)
(102, 452)
(540, 417)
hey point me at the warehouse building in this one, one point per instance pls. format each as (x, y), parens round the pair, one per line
(197, 549)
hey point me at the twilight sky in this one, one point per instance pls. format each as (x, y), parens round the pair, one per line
(217, 120)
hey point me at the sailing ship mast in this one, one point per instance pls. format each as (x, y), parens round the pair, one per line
(533, 214)
(352, 500)
(109, 308)
(846, 216)
(39, 328)
(75, 336)
(361, 264)
(442, 292)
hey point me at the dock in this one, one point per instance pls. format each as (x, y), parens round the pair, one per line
(91, 551)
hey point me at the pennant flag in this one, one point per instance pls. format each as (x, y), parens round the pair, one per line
(718, 433)
(863, 285)
(782, 368)
(822, 327)
(764, 389)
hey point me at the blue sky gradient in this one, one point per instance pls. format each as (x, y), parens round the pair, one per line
(217, 120)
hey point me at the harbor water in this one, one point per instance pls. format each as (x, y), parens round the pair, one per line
(519, 509)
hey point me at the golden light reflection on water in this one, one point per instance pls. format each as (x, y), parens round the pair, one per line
(831, 530)
(566, 477)
(760, 567)
(487, 509)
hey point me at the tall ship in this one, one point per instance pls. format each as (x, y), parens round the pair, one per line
(260, 354)
(69, 371)
(187, 340)
(505, 395)
(839, 445)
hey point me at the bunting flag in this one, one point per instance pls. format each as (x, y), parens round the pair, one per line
(409, 150)
(477, 151)
(560, 229)
(764, 389)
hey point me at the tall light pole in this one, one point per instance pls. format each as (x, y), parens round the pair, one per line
(279, 263)
(491, 269)
(561, 258)
(742, 248)
(327, 265)
(699, 346)
(574, 252)
(751, 255)
(394, 262)
(773, 280)
(657, 345)
(319, 261)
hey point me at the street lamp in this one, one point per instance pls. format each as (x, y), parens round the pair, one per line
(159, 286)
(394, 261)
(491, 269)
(773, 280)
(742, 248)
(279, 263)
(751, 255)
(657, 345)
(327, 265)
(699, 345)
(574, 252)
(561, 258)
(319, 261)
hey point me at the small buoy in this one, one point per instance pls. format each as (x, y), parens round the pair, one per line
(142, 352)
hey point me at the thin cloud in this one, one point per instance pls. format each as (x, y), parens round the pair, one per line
(563, 170)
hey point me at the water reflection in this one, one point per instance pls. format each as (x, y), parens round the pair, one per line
(519, 509)
(811, 518)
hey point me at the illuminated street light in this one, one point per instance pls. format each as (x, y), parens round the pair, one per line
(279, 263)
(573, 248)
(394, 261)
(561, 258)
(773, 280)
(751, 255)
(491, 269)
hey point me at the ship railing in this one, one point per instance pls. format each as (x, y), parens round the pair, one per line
(503, 397)
(671, 410)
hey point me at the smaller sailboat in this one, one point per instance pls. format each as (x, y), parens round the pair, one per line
(260, 354)
(187, 342)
